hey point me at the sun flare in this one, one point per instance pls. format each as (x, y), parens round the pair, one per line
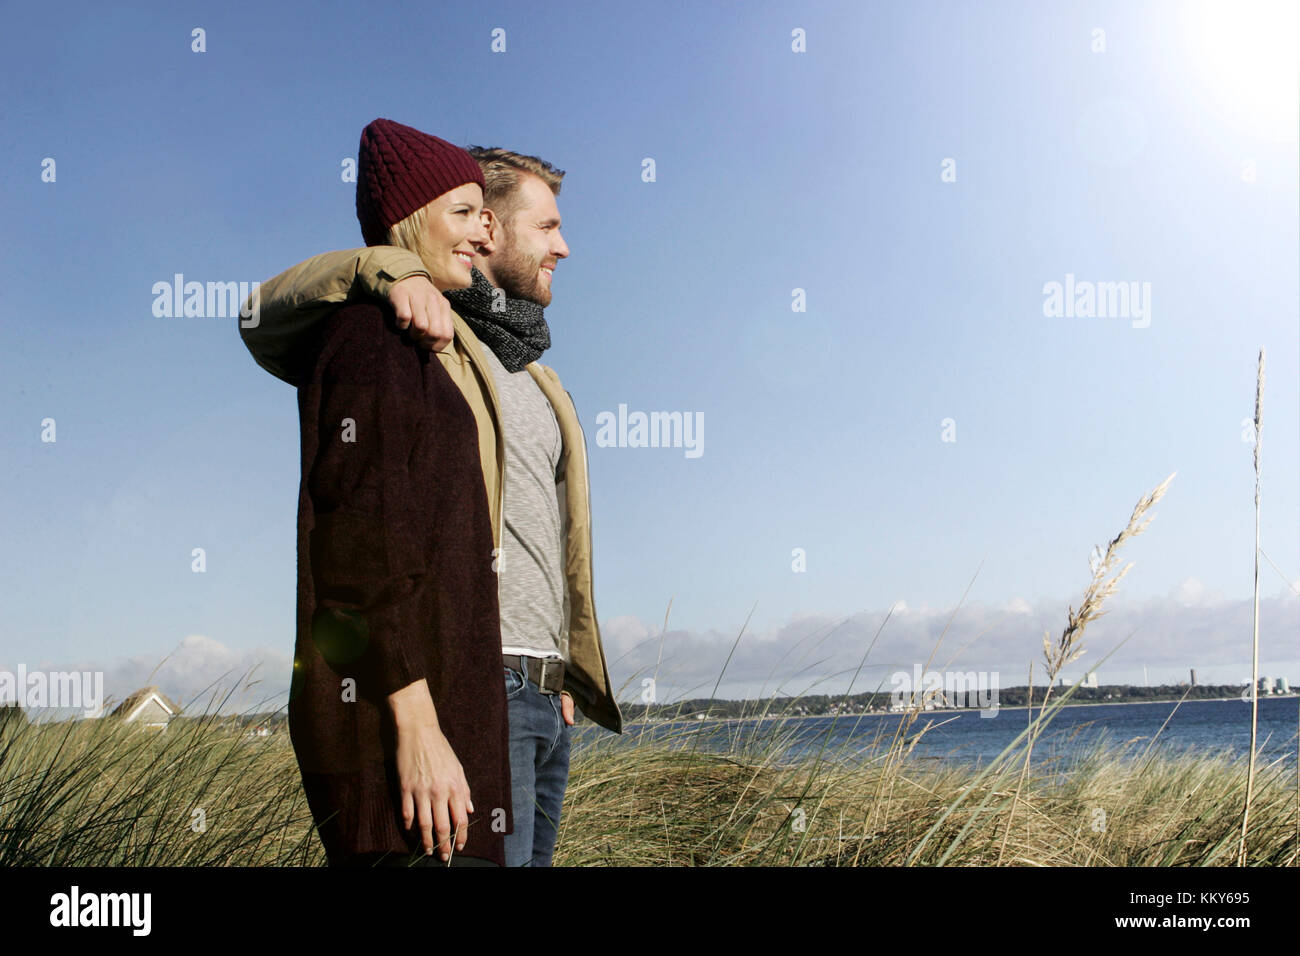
(1248, 53)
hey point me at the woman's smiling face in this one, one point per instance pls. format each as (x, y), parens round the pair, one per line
(453, 232)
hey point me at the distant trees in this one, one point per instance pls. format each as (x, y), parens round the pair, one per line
(823, 705)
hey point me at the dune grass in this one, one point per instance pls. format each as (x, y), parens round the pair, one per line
(101, 793)
(651, 805)
(205, 793)
(107, 793)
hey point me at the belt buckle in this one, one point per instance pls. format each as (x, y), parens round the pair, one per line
(542, 663)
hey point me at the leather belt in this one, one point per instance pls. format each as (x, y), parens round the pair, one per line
(546, 672)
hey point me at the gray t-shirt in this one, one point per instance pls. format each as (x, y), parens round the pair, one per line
(531, 566)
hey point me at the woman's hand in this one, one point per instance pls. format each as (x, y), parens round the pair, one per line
(434, 789)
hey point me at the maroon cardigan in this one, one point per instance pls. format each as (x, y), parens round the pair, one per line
(395, 583)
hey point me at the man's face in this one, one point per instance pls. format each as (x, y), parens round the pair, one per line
(529, 245)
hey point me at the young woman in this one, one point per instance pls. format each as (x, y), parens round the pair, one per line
(397, 709)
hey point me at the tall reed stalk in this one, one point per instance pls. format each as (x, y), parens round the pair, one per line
(1254, 660)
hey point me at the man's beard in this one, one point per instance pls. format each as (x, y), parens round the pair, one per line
(518, 275)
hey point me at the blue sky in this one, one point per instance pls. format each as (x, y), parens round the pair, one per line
(1169, 159)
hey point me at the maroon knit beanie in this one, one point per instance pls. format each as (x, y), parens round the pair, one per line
(400, 170)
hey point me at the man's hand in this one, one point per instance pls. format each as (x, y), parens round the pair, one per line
(423, 309)
(566, 707)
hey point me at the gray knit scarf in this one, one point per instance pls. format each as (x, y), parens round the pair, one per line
(517, 335)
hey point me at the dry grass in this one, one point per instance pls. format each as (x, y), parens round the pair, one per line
(654, 806)
(102, 793)
(111, 796)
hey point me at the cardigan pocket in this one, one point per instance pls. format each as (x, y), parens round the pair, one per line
(368, 600)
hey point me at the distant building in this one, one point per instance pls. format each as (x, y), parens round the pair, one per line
(1282, 686)
(148, 707)
(1266, 685)
(1087, 680)
(12, 714)
(1193, 676)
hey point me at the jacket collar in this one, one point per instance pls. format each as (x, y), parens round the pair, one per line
(468, 344)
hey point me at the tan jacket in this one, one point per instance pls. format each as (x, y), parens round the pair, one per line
(293, 302)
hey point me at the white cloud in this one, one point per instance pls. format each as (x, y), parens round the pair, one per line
(199, 674)
(1191, 627)
(1192, 592)
(1018, 605)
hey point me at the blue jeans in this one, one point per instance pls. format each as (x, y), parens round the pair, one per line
(539, 770)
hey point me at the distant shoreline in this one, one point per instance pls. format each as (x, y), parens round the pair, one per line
(951, 710)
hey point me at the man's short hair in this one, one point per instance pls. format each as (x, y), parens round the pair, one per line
(501, 169)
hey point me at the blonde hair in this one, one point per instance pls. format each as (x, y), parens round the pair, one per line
(501, 169)
(412, 233)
